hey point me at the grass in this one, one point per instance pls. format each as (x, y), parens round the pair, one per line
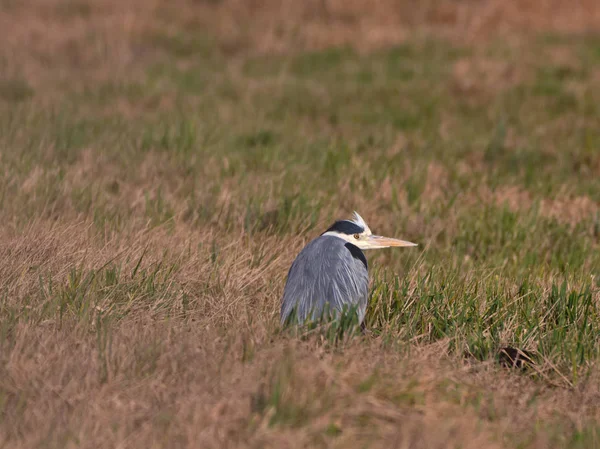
(157, 182)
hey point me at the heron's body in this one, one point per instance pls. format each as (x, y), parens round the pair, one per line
(331, 274)
(328, 271)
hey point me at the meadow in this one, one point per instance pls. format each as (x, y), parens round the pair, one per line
(162, 163)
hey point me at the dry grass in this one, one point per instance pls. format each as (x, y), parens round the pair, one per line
(217, 373)
(57, 39)
(161, 164)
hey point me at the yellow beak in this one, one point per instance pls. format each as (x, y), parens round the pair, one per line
(378, 241)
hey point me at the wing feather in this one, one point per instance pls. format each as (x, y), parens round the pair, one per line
(325, 273)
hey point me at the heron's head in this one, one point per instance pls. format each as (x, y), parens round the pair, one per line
(358, 233)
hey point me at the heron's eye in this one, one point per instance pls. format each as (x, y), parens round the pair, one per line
(356, 236)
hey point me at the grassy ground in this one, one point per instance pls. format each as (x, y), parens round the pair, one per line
(161, 166)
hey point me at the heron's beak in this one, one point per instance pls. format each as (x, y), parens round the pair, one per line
(378, 241)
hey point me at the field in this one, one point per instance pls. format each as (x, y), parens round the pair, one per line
(162, 163)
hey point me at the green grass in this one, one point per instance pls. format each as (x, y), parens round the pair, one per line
(499, 186)
(314, 132)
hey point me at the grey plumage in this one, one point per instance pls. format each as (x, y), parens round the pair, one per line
(328, 272)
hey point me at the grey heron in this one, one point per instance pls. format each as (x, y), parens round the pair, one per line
(331, 273)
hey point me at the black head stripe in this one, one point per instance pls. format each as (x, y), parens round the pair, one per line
(345, 227)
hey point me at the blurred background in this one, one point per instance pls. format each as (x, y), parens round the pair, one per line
(413, 101)
(162, 163)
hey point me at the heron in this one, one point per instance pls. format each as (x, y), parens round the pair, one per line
(330, 274)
